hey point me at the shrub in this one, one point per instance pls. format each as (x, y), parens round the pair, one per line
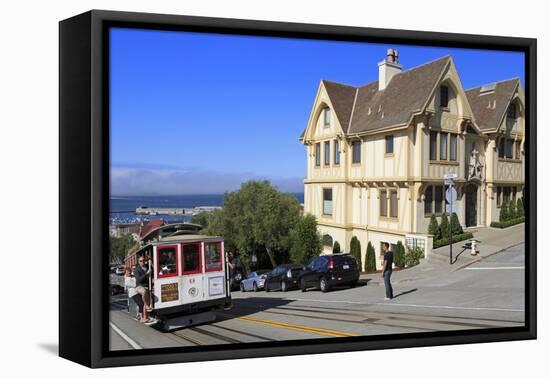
(399, 255)
(355, 249)
(336, 247)
(512, 212)
(413, 256)
(433, 228)
(508, 223)
(519, 208)
(370, 259)
(444, 226)
(503, 217)
(456, 238)
(456, 228)
(305, 241)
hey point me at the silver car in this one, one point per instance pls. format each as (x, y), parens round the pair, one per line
(254, 281)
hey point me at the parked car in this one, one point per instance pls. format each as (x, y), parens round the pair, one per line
(283, 277)
(325, 272)
(119, 271)
(116, 289)
(254, 281)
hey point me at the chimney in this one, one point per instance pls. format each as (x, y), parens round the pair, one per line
(388, 68)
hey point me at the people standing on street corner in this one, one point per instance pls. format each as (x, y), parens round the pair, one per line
(387, 270)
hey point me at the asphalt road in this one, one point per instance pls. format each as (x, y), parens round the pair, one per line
(489, 293)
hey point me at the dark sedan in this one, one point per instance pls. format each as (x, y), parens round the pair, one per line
(283, 277)
(325, 272)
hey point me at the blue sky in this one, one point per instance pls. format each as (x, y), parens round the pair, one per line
(201, 113)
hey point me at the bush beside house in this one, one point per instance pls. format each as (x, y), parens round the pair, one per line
(370, 259)
(511, 213)
(441, 232)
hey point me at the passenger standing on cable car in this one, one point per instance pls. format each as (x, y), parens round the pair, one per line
(142, 274)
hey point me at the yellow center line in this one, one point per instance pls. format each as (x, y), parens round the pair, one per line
(295, 327)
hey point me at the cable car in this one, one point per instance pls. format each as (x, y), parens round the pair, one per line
(189, 275)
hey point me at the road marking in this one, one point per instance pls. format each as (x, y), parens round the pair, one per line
(454, 307)
(410, 305)
(126, 338)
(495, 268)
(295, 327)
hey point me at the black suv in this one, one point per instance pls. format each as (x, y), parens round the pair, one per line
(283, 277)
(328, 271)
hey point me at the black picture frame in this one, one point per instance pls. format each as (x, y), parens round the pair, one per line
(84, 187)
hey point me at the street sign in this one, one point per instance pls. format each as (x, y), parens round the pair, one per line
(450, 176)
(451, 194)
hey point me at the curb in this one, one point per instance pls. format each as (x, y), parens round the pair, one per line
(480, 258)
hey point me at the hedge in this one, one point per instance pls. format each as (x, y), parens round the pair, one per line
(508, 223)
(456, 238)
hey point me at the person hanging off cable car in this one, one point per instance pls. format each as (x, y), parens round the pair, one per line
(130, 285)
(142, 273)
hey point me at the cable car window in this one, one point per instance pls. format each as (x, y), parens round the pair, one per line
(191, 258)
(213, 256)
(167, 261)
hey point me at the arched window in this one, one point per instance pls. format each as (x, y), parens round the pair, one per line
(326, 116)
(327, 240)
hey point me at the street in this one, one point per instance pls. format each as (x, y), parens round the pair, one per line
(429, 297)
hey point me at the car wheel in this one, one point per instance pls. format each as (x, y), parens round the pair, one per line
(266, 287)
(303, 285)
(323, 284)
(284, 286)
(242, 288)
(255, 287)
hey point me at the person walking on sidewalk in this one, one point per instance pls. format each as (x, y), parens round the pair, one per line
(387, 270)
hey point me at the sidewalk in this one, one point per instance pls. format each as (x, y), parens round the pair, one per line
(492, 240)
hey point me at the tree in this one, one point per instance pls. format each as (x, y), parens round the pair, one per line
(119, 247)
(512, 211)
(444, 226)
(433, 228)
(305, 241)
(399, 257)
(456, 228)
(257, 217)
(201, 218)
(503, 212)
(519, 206)
(355, 249)
(370, 259)
(336, 247)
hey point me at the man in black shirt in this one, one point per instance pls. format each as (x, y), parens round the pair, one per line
(387, 270)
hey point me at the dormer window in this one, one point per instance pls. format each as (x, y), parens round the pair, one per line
(326, 116)
(444, 96)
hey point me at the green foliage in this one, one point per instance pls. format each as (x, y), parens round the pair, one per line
(444, 226)
(520, 208)
(201, 218)
(433, 228)
(413, 256)
(370, 259)
(305, 241)
(456, 228)
(119, 247)
(256, 218)
(508, 223)
(355, 249)
(504, 216)
(399, 255)
(336, 247)
(512, 211)
(456, 238)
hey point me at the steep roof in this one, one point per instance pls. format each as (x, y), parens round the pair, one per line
(406, 93)
(489, 107)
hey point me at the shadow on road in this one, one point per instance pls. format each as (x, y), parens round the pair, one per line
(405, 293)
